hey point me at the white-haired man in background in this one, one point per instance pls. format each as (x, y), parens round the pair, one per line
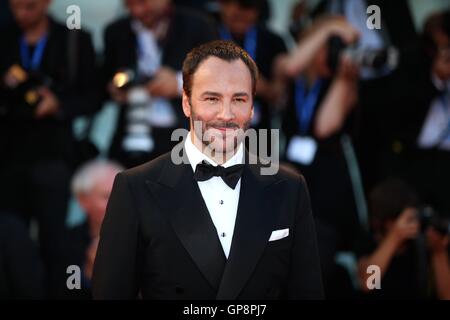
(91, 185)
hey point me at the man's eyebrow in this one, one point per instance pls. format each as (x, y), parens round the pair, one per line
(211, 93)
(217, 94)
(241, 94)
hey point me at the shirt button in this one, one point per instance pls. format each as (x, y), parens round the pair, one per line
(221, 201)
(223, 234)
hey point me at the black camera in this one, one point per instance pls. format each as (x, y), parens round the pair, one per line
(376, 61)
(138, 132)
(429, 217)
(125, 79)
(23, 87)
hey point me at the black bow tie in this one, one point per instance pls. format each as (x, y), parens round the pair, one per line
(231, 175)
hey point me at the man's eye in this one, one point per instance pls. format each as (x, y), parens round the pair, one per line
(212, 99)
(239, 100)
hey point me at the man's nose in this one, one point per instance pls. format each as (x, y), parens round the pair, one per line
(226, 114)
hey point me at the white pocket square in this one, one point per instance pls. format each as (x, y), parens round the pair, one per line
(279, 234)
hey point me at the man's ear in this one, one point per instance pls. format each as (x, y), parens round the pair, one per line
(186, 105)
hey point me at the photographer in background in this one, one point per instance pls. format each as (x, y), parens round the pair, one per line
(240, 23)
(310, 59)
(383, 96)
(316, 125)
(143, 56)
(428, 116)
(47, 77)
(401, 233)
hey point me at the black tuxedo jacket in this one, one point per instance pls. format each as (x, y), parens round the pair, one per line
(158, 239)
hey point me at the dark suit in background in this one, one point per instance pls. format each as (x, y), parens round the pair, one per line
(37, 154)
(21, 273)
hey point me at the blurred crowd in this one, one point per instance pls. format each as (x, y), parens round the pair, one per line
(363, 112)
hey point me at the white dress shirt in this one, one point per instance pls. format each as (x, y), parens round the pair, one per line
(160, 112)
(148, 50)
(221, 200)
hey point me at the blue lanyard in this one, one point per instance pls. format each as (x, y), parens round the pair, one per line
(250, 41)
(32, 63)
(306, 103)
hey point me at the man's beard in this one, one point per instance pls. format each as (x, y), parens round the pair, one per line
(207, 138)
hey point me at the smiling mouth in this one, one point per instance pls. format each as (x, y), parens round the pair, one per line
(225, 128)
(227, 131)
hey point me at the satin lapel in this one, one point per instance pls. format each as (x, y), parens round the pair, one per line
(179, 196)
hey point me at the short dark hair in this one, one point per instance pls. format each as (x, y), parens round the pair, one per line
(225, 50)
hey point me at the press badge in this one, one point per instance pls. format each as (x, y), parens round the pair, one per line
(302, 150)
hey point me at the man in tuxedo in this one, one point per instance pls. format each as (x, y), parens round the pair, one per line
(215, 227)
